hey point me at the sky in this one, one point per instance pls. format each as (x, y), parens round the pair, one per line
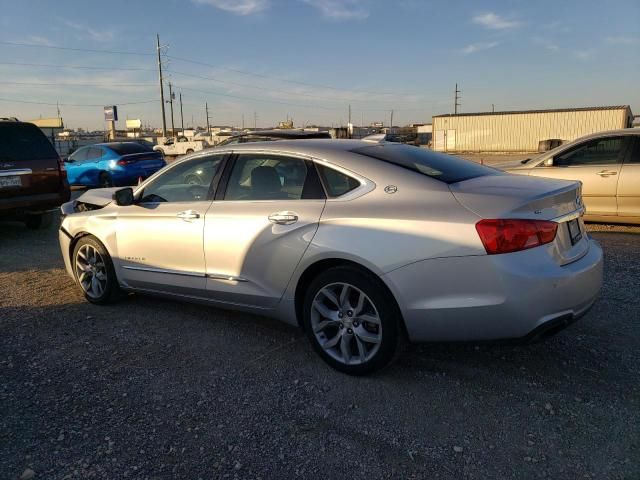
(262, 61)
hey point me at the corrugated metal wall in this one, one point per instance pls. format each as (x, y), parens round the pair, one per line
(520, 132)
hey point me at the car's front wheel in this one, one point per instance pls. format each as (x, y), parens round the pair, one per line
(94, 271)
(351, 320)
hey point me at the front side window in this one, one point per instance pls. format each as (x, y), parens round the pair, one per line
(258, 176)
(604, 151)
(187, 182)
(336, 183)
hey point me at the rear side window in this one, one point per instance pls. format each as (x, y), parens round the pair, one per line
(446, 168)
(336, 183)
(23, 142)
(127, 148)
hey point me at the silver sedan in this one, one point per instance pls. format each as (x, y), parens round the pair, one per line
(362, 245)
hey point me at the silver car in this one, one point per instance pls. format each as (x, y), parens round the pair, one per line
(607, 164)
(360, 244)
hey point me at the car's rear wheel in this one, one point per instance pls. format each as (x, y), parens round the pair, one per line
(351, 320)
(105, 180)
(189, 151)
(36, 221)
(94, 272)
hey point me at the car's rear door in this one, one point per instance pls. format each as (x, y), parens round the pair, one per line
(257, 230)
(159, 238)
(596, 163)
(629, 183)
(29, 165)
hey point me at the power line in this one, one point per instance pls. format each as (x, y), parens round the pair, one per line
(86, 67)
(186, 60)
(80, 84)
(73, 104)
(280, 79)
(74, 49)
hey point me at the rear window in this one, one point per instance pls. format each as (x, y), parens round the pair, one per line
(23, 142)
(446, 168)
(127, 148)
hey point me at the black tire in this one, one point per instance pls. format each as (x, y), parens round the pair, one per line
(390, 318)
(39, 220)
(189, 151)
(111, 291)
(104, 180)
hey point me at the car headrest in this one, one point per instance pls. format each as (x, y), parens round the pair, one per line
(264, 181)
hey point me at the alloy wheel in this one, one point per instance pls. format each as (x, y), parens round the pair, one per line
(91, 271)
(346, 323)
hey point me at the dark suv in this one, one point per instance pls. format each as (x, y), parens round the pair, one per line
(33, 180)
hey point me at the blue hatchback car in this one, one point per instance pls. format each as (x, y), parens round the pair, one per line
(112, 164)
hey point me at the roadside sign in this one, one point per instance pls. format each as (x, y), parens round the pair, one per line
(111, 113)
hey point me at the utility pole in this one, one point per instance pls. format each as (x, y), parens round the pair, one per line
(164, 120)
(349, 126)
(456, 97)
(243, 121)
(206, 110)
(181, 115)
(171, 97)
(255, 120)
(493, 108)
(391, 125)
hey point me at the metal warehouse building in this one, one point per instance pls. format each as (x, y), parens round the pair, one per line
(522, 131)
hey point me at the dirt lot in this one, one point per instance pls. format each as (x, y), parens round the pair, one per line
(154, 389)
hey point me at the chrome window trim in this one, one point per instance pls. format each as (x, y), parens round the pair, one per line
(17, 171)
(366, 185)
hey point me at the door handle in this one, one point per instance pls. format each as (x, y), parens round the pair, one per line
(606, 173)
(188, 215)
(283, 218)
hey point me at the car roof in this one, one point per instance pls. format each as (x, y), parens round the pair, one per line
(283, 133)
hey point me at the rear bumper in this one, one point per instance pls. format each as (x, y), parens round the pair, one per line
(14, 206)
(522, 295)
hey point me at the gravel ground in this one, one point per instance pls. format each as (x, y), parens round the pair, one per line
(149, 388)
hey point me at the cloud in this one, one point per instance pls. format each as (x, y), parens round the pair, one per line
(494, 21)
(478, 47)
(546, 44)
(623, 40)
(38, 40)
(340, 9)
(584, 54)
(238, 7)
(86, 31)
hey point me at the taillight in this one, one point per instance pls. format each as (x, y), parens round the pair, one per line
(123, 163)
(512, 235)
(62, 169)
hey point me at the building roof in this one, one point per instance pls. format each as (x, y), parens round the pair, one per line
(555, 110)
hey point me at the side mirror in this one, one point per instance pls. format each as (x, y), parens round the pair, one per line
(123, 197)
(548, 162)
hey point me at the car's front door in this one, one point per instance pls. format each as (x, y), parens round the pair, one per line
(596, 163)
(258, 229)
(159, 238)
(629, 183)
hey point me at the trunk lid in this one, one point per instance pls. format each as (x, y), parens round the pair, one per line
(535, 198)
(518, 196)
